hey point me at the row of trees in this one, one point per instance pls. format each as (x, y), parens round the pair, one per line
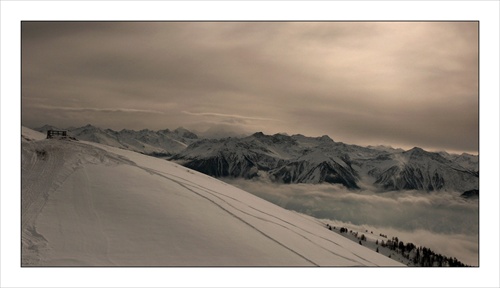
(419, 256)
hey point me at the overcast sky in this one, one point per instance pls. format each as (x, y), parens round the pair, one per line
(366, 83)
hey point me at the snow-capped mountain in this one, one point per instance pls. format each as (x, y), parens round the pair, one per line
(417, 169)
(301, 159)
(160, 143)
(286, 159)
(468, 161)
(298, 159)
(89, 204)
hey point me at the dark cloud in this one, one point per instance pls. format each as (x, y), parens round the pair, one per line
(399, 83)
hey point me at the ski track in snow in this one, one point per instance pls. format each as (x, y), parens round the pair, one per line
(46, 163)
(190, 186)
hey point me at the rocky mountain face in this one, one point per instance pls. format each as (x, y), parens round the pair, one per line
(417, 169)
(298, 159)
(285, 159)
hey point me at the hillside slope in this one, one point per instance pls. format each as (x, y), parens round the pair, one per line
(88, 204)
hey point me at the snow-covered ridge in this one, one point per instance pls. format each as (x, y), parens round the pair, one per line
(160, 143)
(88, 204)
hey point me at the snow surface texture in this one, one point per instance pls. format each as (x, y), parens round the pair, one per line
(88, 204)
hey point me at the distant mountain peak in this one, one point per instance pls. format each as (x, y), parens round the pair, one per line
(416, 149)
(126, 131)
(416, 152)
(180, 129)
(258, 134)
(326, 138)
(46, 127)
(185, 133)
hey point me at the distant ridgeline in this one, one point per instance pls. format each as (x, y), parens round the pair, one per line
(298, 159)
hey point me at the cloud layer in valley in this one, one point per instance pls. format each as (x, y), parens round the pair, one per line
(442, 221)
(399, 83)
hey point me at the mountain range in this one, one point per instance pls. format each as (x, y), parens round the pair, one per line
(161, 143)
(297, 159)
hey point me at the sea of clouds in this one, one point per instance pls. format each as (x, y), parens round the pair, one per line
(442, 221)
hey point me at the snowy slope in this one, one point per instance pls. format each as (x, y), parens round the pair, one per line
(89, 204)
